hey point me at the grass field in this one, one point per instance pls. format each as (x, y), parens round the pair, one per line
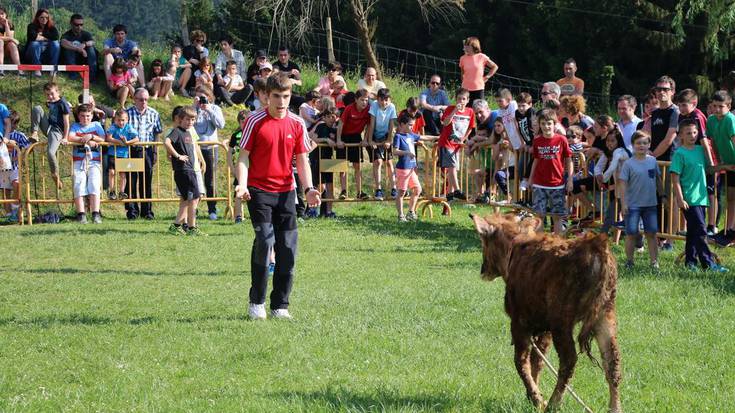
(388, 317)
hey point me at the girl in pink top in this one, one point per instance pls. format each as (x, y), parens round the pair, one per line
(120, 81)
(472, 64)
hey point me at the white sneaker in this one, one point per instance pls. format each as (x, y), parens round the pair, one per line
(256, 311)
(524, 184)
(281, 313)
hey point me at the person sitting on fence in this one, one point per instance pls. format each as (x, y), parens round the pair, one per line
(638, 183)
(379, 134)
(371, 83)
(607, 169)
(120, 82)
(688, 165)
(229, 54)
(324, 87)
(570, 84)
(352, 123)
(55, 125)
(122, 135)
(412, 110)
(458, 121)
(119, 46)
(404, 146)
(505, 159)
(8, 42)
(42, 39)
(17, 142)
(472, 64)
(233, 89)
(721, 129)
(184, 152)
(233, 154)
(285, 64)
(551, 157)
(159, 81)
(261, 58)
(325, 134)
(204, 75)
(208, 121)
(434, 101)
(79, 48)
(87, 158)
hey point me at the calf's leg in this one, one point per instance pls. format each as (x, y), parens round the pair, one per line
(565, 348)
(606, 336)
(522, 344)
(543, 342)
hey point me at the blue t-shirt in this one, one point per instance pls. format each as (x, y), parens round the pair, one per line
(382, 119)
(406, 142)
(93, 128)
(4, 113)
(127, 47)
(126, 132)
(56, 112)
(440, 98)
(640, 176)
(22, 142)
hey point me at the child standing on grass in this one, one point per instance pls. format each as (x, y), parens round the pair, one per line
(457, 124)
(379, 134)
(87, 158)
(638, 183)
(551, 155)
(688, 166)
(184, 152)
(232, 155)
(404, 146)
(122, 135)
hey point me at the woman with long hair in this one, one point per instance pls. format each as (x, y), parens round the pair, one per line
(43, 40)
(8, 42)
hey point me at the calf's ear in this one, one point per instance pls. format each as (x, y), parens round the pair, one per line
(530, 224)
(482, 226)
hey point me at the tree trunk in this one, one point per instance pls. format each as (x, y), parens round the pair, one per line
(330, 44)
(184, 23)
(360, 16)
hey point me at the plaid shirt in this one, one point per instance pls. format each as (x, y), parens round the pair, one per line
(22, 141)
(147, 124)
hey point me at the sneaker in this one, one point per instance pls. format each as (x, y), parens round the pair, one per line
(666, 246)
(724, 238)
(629, 265)
(718, 268)
(393, 193)
(82, 218)
(212, 216)
(112, 196)
(96, 217)
(312, 213)
(379, 194)
(343, 195)
(122, 195)
(37, 73)
(174, 229)
(411, 216)
(524, 185)
(256, 311)
(460, 195)
(238, 219)
(711, 231)
(654, 265)
(195, 232)
(363, 196)
(450, 196)
(281, 313)
(402, 218)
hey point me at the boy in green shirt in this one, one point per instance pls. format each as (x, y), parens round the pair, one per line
(721, 129)
(688, 166)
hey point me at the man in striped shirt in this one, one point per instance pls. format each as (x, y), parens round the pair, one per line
(146, 121)
(270, 139)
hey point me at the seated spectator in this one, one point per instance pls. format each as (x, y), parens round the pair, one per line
(8, 42)
(100, 113)
(79, 48)
(261, 58)
(204, 76)
(194, 54)
(570, 84)
(265, 70)
(371, 83)
(54, 124)
(339, 89)
(87, 163)
(120, 82)
(324, 87)
(179, 62)
(228, 53)
(284, 64)
(160, 82)
(121, 47)
(232, 89)
(309, 110)
(209, 119)
(132, 64)
(42, 40)
(434, 101)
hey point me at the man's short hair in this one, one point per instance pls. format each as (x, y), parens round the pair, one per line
(198, 34)
(570, 61)
(630, 99)
(259, 85)
(524, 97)
(75, 16)
(480, 104)
(686, 96)
(383, 93)
(279, 82)
(283, 49)
(139, 91)
(120, 28)
(503, 94)
(50, 85)
(721, 96)
(462, 92)
(667, 79)
(555, 88)
(84, 108)
(639, 134)
(226, 38)
(186, 112)
(546, 115)
(605, 120)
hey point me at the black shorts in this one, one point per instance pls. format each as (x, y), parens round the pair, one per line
(380, 152)
(234, 182)
(278, 208)
(352, 154)
(186, 183)
(588, 183)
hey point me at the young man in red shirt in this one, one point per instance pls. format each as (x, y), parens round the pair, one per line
(352, 123)
(273, 136)
(551, 154)
(457, 123)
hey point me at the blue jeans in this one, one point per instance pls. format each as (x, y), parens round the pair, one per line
(49, 50)
(72, 58)
(649, 216)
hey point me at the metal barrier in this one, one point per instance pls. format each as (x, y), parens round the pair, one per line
(162, 190)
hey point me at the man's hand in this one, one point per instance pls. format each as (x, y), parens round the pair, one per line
(183, 158)
(313, 198)
(241, 191)
(570, 186)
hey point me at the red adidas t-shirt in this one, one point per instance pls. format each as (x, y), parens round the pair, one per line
(461, 123)
(272, 144)
(549, 154)
(353, 120)
(418, 124)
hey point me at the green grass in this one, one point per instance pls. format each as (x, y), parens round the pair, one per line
(388, 317)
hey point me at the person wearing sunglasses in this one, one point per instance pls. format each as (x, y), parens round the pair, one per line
(43, 40)
(78, 47)
(433, 100)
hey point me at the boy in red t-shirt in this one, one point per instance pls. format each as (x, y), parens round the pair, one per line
(457, 123)
(551, 154)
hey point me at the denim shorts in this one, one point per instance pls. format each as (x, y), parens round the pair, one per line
(649, 216)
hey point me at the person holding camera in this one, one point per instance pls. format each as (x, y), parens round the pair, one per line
(208, 121)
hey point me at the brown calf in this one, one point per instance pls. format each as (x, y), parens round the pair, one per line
(552, 284)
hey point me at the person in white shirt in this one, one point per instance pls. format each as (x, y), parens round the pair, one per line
(371, 83)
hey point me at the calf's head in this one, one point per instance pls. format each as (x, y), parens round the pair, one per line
(497, 233)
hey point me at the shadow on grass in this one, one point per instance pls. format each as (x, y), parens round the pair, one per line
(130, 271)
(722, 282)
(340, 399)
(47, 321)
